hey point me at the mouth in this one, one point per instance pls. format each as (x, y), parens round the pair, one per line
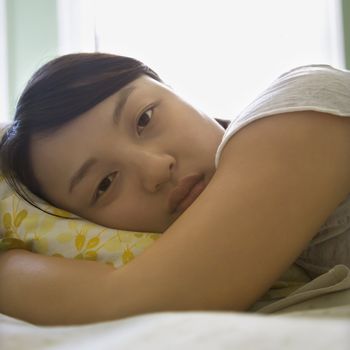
(188, 189)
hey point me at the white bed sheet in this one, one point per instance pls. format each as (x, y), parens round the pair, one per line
(190, 330)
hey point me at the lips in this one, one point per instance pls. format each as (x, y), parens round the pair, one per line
(182, 195)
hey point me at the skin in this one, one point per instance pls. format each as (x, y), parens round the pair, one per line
(157, 140)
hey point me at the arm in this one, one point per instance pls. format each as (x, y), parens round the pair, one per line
(278, 180)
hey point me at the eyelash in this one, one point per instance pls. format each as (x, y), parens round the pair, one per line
(97, 195)
(143, 113)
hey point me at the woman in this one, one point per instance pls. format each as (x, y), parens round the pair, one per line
(103, 137)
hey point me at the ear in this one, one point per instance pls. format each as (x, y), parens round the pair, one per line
(223, 122)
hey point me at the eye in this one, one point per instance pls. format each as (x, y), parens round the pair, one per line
(144, 119)
(103, 186)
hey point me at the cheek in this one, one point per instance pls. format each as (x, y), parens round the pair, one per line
(130, 214)
(206, 141)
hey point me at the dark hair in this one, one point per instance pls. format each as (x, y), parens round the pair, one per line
(57, 93)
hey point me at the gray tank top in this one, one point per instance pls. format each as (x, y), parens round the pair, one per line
(318, 88)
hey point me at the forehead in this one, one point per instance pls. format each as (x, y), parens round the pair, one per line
(103, 111)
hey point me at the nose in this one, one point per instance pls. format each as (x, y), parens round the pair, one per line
(154, 169)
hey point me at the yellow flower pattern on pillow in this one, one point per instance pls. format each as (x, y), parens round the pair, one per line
(24, 226)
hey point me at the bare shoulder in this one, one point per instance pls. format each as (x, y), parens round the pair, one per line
(317, 139)
(293, 168)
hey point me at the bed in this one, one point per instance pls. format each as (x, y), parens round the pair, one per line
(189, 330)
(320, 322)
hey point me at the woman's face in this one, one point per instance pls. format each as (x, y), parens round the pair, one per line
(119, 163)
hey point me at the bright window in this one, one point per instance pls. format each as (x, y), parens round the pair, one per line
(219, 54)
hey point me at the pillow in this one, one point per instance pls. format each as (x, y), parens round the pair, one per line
(24, 226)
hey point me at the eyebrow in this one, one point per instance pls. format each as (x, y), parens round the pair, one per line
(123, 98)
(81, 173)
(88, 164)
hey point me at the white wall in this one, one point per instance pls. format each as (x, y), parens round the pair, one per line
(4, 108)
(76, 26)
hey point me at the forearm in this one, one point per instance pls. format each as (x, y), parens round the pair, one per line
(54, 291)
